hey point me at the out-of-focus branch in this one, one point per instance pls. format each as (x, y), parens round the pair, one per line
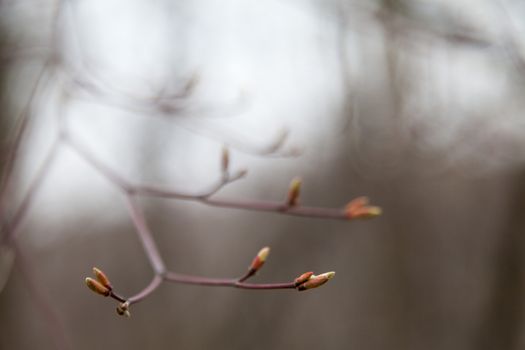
(11, 227)
(53, 323)
(22, 122)
(139, 221)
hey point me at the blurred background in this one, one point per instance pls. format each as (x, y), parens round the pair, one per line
(416, 104)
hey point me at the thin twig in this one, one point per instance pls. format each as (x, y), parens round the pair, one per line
(156, 191)
(248, 274)
(280, 208)
(150, 288)
(145, 235)
(108, 173)
(220, 282)
(204, 197)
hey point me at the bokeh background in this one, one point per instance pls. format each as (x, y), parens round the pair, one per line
(416, 104)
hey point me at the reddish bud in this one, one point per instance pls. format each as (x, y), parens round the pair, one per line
(359, 209)
(97, 287)
(303, 278)
(259, 259)
(316, 281)
(102, 278)
(294, 190)
(357, 203)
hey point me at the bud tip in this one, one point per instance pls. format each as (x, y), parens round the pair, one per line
(358, 208)
(328, 275)
(263, 254)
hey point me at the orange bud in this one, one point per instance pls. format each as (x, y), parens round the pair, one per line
(102, 278)
(358, 202)
(303, 278)
(316, 281)
(259, 259)
(294, 191)
(358, 208)
(97, 287)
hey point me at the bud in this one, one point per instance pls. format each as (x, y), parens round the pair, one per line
(225, 159)
(368, 212)
(102, 278)
(316, 281)
(303, 278)
(97, 287)
(357, 203)
(123, 309)
(259, 259)
(359, 209)
(294, 190)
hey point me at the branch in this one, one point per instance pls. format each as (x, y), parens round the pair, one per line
(10, 229)
(151, 287)
(146, 238)
(220, 282)
(102, 286)
(165, 103)
(280, 207)
(21, 127)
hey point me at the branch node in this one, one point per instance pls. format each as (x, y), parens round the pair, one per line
(123, 309)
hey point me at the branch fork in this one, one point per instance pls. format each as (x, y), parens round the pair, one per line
(102, 286)
(355, 209)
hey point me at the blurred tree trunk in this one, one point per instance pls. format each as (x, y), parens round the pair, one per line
(503, 320)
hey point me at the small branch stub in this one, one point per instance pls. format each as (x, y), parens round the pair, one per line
(294, 191)
(123, 309)
(359, 209)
